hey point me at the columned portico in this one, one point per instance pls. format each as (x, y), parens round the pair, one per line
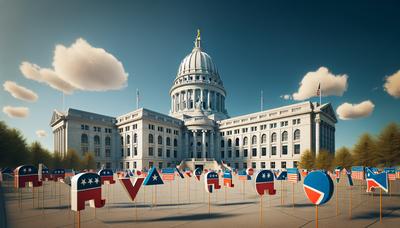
(203, 143)
(194, 132)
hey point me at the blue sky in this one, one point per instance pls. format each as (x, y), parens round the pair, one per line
(262, 45)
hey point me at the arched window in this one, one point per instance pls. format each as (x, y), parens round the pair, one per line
(284, 136)
(245, 141)
(122, 140)
(159, 139)
(128, 139)
(254, 140)
(168, 141)
(175, 142)
(96, 140)
(296, 134)
(108, 141)
(273, 137)
(84, 138)
(237, 142)
(151, 138)
(229, 142)
(135, 138)
(264, 138)
(222, 143)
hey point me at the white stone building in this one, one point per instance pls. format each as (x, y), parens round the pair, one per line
(198, 131)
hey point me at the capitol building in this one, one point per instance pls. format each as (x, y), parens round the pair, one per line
(197, 132)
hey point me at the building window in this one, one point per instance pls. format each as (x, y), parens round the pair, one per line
(284, 150)
(159, 152)
(296, 134)
(175, 142)
(108, 153)
(108, 141)
(127, 165)
(121, 165)
(245, 141)
(96, 140)
(253, 165)
(273, 150)
(222, 143)
(272, 164)
(254, 140)
(151, 151)
(273, 137)
(98, 165)
(128, 139)
(128, 152)
(122, 140)
(262, 165)
(175, 154)
(264, 138)
(159, 140)
(84, 138)
(237, 153)
(135, 138)
(135, 151)
(168, 141)
(244, 165)
(296, 148)
(151, 138)
(254, 152)
(283, 165)
(264, 151)
(295, 164)
(237, 142)
(229, 142)
(134, 165)
(97, 152)
(122, 152)
(229, 153)
(245, 153)
(284, 136)
(222, 154)
(168, 153)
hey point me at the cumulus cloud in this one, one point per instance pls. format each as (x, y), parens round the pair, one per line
(41, 133)
(347, 111)
(80, 66)
(20, 92)
(16, 112)
(330, 84)
(286, 97)
(392, 84)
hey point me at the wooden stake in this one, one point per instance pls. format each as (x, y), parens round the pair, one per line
(380, 205)
(33, 197)
(350, 206)
(281, 193)
(155, 196)
(225, 194)
(336, 198)
(79, 219)
(209, 203)
(43, 197)
(244, 189)
(261, 209)
(293, 194)
(316, 216)
(59, 194)
(188, 189)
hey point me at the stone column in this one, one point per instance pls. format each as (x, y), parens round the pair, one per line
(187, 144)
(201, 98)
(204, 149)
(187, 99)
(214, 100)
(211, 155)
(317, 135)
(194, 98)
(172, 103)
(259, 145)
(194, 143)
(209, 100)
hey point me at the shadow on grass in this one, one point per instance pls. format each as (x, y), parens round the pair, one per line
(374, 215)
(194, 217)
(299, 205)
(234, 204)
(132, 205)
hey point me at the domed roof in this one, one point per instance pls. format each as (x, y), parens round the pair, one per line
(197, 62)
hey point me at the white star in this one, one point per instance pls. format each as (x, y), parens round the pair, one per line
(24, 170)
(154, 177)
(83, 182)
(29, 170)
(90, 181)
(96, 180)
(263, 175)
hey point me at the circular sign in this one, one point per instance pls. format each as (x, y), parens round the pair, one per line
(318, 187)
(250, 171)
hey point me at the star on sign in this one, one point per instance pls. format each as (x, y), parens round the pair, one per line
(263, 175)
(24, 170)
(83, 182)
(29, 170)
(268, 175)
(90, 181)
(96, 180)
(154, 177)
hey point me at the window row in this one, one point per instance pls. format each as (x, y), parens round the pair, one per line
(284, 138)
(262, 127)
(263, 165)
(273, 151)
(96, 140)
(160, 153)
(160, 140)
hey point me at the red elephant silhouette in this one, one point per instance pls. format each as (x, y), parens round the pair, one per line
(86, 187)
(26, 174)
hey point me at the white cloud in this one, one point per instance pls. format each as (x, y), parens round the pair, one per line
(16, 112)
(392, 84)
(80, 66)
(41, 133)
(347, 111)
(286, 97)
(20, 92)
(330, 84)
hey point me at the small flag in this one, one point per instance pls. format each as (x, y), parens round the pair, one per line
(106, 175)
(357, 172)
(26, 174)
(319, 89)
(227, 178)
(188, 173)
(281, 175)
(349, 178)
(197, 173)
(398, 173)
(293, 175)
(391, 173)
(153, 178)
(377, 181)
(168, 174)
(86, 187)
(242, 175)
(211, 181)
(337, 173)
(265, 183)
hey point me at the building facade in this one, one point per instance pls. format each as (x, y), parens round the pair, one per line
(198, 131)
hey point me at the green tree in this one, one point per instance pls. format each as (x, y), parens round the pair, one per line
(324, 160)
(364, 152)
(307, 160)
(88, 161)
(72, 160)
(13, 147)
(343, 158)
(388, 146)
(39, 154)
(57, 161)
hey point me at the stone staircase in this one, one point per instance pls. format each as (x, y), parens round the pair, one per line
(207, 163)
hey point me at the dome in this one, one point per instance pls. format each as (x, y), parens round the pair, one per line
(197, 62)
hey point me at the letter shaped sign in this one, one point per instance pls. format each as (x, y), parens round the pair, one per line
(211, 181)
(265, 182)
(106, 175)
(86, 187)
(318, 187)
(26, 174)
(131, 189)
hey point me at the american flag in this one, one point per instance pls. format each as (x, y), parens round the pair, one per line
(168, 174)
(398, 172)
(319, 89)
(293, 175)
(357, 172)
(337, 173)
(391, 173)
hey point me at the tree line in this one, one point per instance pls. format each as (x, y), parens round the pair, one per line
(15, 151)
(382, 150)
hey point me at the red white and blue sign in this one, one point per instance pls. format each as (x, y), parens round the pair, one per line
(180, 174)
(131, 189)
(265, 183)
(86, 187)
(391, 173)
(153, 178)
(357, 172)
(26, 174)
(242, 175)
(168, 174)
(57, 174)
(211, 181)
(227, 178)
(281, 175)
(349, 178)
(377, 181)
(338, 169)
(318, 187)
(107, 176)
(197, 173)
(293, 175)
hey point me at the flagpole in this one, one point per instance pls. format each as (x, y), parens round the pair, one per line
(316, 216)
